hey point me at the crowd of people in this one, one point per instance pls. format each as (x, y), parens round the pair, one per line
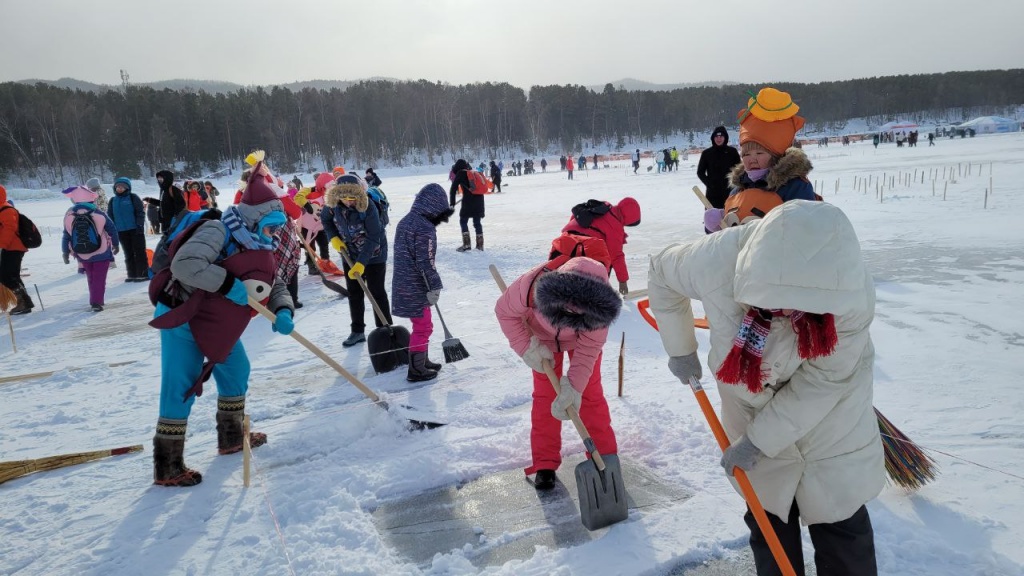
(790, 347)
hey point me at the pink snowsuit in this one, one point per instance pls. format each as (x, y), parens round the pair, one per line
(519, 319)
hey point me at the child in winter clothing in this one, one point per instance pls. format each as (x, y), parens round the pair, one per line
(415, 283)
(127, 215)
(353, 224)
(202, 308)
(610, 227)
(12, 252)
(770, 172)
(311, 200)
(472, 205)
(789, 303)
(101, 236)
(211, 193)
(544, 314)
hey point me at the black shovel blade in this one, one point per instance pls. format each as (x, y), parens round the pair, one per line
(416, 420)
(333, 286)
(388, 347)
(602, 494)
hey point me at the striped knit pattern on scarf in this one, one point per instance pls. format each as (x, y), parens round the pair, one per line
(236, 225)
(816, 337)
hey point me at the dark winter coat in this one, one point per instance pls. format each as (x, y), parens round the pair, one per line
(125, 210)
(714, 166)
(415, 245)
(495, 173)
(372, 179)
(359, 227)
(472, 204)
(172, 199)
(787, 178)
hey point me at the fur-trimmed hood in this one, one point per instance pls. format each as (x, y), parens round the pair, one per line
(578, 296)
(793, 164)
(336, 192)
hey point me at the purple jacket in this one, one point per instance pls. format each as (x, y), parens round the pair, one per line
(414, 248)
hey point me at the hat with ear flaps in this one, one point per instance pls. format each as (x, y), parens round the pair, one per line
(262, 192)
(577, 296)
(348, 186)
(770, 120)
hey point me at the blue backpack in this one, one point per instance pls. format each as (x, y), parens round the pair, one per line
(380, 200)
(182, 221)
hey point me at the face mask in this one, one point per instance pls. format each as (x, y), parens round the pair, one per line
(758, 174)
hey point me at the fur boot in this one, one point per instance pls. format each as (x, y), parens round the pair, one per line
(418, 371)
(168, 455)
(479, 241)
(465, 243)
(230, 413)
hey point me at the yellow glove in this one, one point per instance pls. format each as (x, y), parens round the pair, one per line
(356, 271)
(337, 244)
(300, 197)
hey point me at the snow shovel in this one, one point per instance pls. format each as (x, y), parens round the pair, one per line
(413, 424)
(388, 345)
(601, 492)
(333, 286)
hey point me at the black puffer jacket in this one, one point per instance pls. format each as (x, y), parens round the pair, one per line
(172, 199)
(472, 204)
(714, 166)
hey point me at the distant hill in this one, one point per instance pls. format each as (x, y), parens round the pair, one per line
(634, 84)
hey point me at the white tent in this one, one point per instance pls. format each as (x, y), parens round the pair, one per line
(990, 125)
(898, 126)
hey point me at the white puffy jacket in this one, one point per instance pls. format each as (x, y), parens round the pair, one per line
(814, 421)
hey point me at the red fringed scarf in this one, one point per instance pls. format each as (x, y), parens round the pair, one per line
(816, 337)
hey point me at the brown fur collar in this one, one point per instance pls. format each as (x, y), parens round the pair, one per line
(793, 164)
(335, 193)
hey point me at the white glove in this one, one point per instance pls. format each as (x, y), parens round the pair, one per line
(567, 397)
(536, 353)
(433, 296)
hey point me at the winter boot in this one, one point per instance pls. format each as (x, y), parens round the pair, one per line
(24, 305)
(311, 269)
(418, 371)
(544, 480)
(479, 241)
(168, 455)
(230, 412)
(432, 365)
(353, 339)
(466, 246)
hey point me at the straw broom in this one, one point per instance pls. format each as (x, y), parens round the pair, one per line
(19, 468)
(8, 301)
(905, 463)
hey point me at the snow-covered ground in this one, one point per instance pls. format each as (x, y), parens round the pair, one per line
(950, 351)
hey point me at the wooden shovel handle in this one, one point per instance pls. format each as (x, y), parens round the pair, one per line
(703, 199)
(319, 353)
(550, 372)
(362, 284)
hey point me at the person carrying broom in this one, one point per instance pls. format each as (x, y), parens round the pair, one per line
(789, 305)
(544, 313)
(415, 283)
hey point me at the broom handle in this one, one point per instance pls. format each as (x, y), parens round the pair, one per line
(703, 199)
(550, 372)
(447, 334)
(362, 284)
(319, 353)
(741, 478)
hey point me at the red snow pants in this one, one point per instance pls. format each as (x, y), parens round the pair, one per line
(546, 434)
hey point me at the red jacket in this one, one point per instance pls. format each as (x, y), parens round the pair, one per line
(9, 239)
(611, 228)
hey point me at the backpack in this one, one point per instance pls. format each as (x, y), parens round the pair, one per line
(27, 231)
(85, 238)
(477, 182)
(380, 200)
(182, 221)
(586, 212)
(568, 246)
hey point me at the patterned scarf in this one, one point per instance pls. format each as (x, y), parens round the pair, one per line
(816, 337)
(232, 218)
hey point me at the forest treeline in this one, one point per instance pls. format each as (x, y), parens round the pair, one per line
(57, 135)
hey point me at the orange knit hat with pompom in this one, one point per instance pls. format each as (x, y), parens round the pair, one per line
(770, 120)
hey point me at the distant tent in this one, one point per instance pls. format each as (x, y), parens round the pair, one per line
(898, 126)
(990, 125)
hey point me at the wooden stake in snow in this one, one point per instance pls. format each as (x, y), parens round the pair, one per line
(944, 186)
(622, 361)
(7, 302)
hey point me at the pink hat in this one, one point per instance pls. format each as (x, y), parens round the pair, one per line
(80, 194)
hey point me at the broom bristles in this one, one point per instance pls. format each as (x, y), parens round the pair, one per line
(454, 350)
(905, 463)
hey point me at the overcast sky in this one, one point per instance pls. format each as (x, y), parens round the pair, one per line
(524, 42)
